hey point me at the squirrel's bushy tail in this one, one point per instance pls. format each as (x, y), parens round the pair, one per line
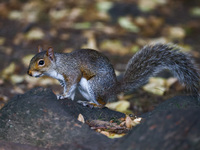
(153, 59)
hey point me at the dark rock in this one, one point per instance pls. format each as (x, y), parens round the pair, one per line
(177, 102)
(37, 118)
(173, 125)
(88, 113)
(15, 146)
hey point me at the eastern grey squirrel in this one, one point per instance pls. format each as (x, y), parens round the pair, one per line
(94, 76)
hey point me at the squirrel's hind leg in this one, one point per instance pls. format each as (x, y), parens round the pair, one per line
(89, 104)
(86, 91)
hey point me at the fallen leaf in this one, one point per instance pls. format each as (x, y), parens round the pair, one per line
(1, 82)
(141, 21)
(135, 48)
(156, 86)
(123, 97)
(6, 50)
(147, 5)
(82, 25)
(1, 105)
(176, 33)
(56, 14)
(18, 39)
(104, 6)
(171, 81)
(81, 118)
(26, 60)
(136, 121)
(35, 34)
(4, 10)
(74, 14)
(4, 98)
(195, 11)
(91, 42)
(126, 23)
(105, 133)
(17, 90)
(128, 122)
(106, 125)
(120, 106)
(15, 79)
(64, 36)
(15, 15)
(2, 40)
(112, 135)
(31, 11)
(114, 46)
(8, 70)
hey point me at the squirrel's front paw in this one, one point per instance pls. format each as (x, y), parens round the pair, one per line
(60, 97)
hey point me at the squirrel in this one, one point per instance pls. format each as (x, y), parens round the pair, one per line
(92, 73)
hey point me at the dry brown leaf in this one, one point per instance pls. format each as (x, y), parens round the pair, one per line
(105, 133)
(74, 13)
(122, 123)
(171, 81)
(128, 122)
(17, 90)
(64, 36)
(81, 118)
(1, 105)
(18, 39)
(91, 43)
(121, 96)
(3, 98)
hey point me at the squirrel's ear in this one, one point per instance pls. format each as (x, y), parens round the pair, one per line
(39, 49)
(50, 53)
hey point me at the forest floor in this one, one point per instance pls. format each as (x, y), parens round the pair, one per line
(117, 29)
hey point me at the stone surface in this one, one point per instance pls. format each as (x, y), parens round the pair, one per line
(37, 118)
(173, 125)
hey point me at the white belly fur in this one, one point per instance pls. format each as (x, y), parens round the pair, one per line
(84, 90)
(56, 75)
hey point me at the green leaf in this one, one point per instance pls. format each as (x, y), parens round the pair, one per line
(195, 11)
(126, 23)
(104, 6)
(82, 25)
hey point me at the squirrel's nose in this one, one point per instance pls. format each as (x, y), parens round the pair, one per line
(29, 73)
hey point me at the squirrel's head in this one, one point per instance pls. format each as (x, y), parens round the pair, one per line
(41, 62)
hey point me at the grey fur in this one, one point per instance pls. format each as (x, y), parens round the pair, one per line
(153, 59)
(103, 84)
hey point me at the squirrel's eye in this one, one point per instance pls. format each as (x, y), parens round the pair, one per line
(41, 62)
